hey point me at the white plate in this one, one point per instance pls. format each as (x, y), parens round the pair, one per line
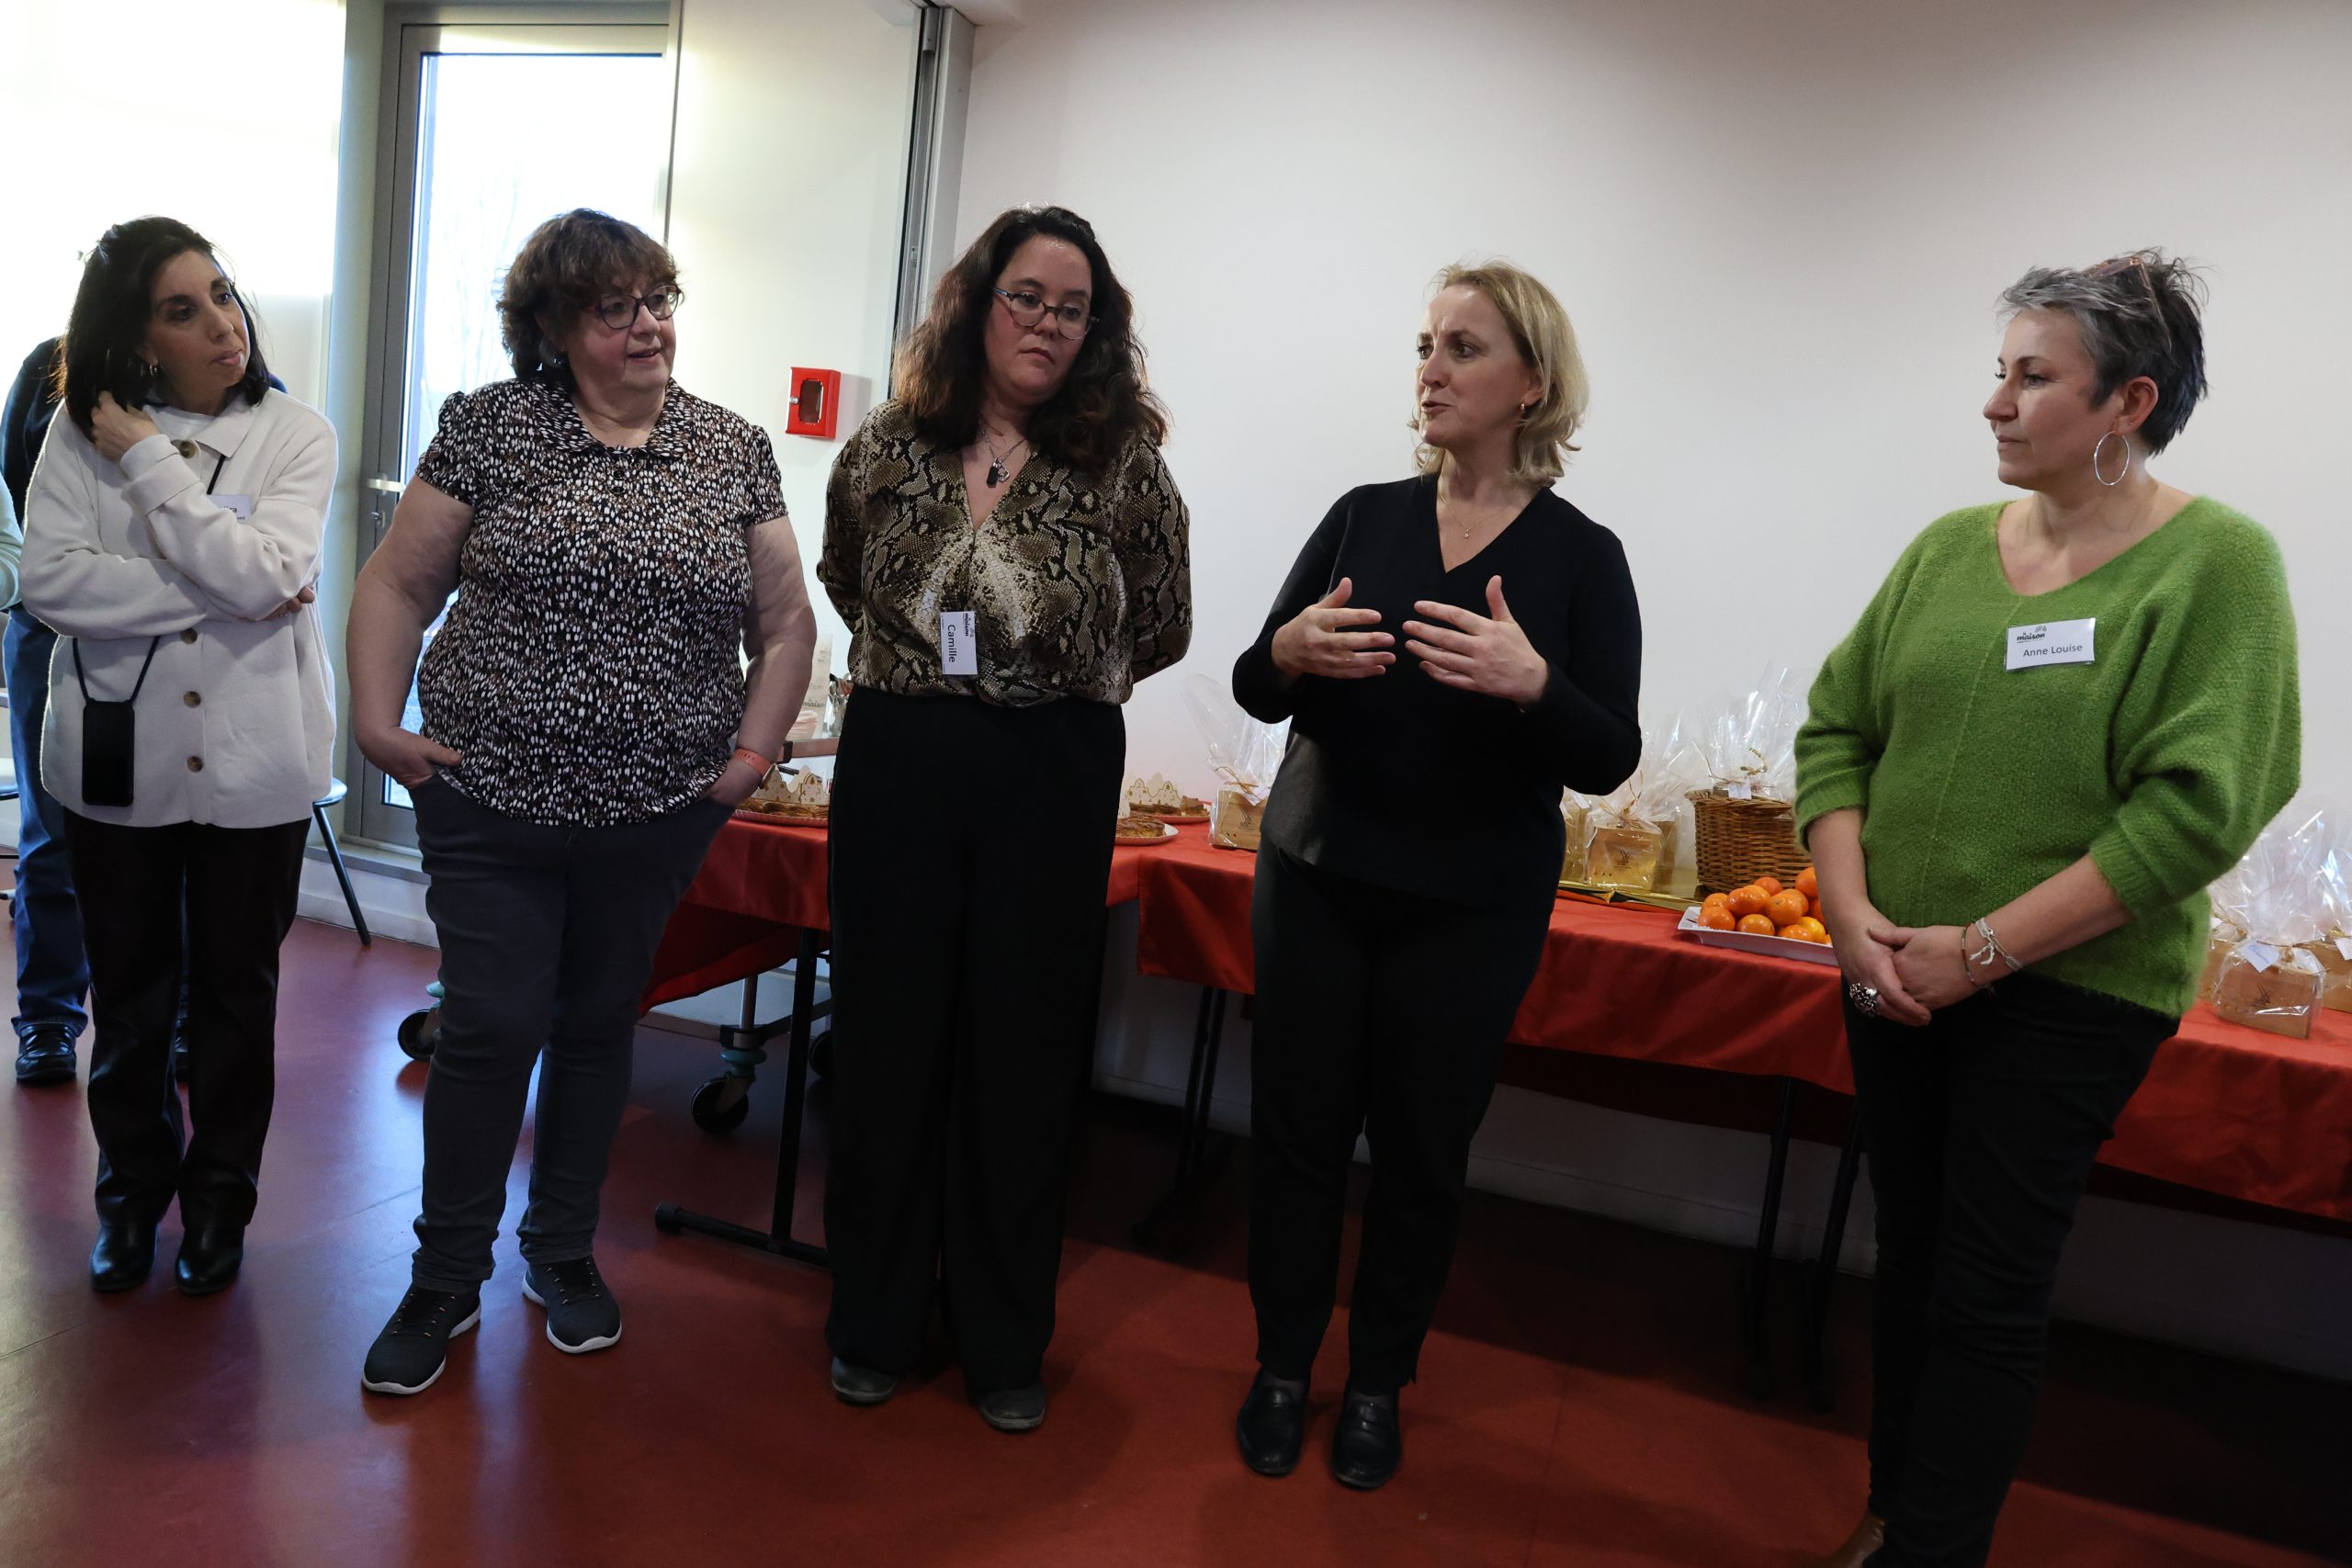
(1769, 946)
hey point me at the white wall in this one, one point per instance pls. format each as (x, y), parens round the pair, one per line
(1780, 230)
(786, 196)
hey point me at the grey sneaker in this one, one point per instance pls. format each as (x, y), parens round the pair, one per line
(1014, 1409)
(414, 1346)
(582, 1314)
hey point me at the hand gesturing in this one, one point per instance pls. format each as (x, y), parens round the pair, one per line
(1472, 652)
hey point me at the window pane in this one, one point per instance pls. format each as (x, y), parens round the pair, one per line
(500, 150)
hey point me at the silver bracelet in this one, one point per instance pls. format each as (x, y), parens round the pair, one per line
(1992, 949)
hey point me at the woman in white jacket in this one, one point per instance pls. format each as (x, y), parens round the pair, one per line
(172, 536)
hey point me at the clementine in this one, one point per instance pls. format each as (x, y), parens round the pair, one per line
(1786, 908)
(1749, 901)
(1769, 883)
(1813, 930)
(1757, 925)
(1807, 884)
(1717, 918)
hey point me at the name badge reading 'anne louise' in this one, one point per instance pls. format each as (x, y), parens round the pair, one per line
(2051, 642)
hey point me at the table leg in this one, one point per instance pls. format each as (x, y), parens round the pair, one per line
(1200, 1079)
(1756, 1272)
(777, 1238)
(1824, 1268)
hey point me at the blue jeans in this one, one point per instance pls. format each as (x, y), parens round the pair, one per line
(52, 972)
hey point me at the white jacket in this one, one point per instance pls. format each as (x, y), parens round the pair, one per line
(236, 721)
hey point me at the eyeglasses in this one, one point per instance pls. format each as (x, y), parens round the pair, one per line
(619, 312)
(1026, 308)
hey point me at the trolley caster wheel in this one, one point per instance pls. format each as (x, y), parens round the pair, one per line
(665, 1219)
(820, 1055)
(721, 1103)
(418, 1032)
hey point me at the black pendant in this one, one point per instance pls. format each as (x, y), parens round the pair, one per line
(996, 475)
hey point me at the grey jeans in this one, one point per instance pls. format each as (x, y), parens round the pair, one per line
(548, 935)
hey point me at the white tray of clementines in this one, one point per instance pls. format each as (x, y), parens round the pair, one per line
(1764, 918)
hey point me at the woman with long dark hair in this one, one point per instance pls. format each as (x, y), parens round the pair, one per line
(1010, 554)
(172, 534)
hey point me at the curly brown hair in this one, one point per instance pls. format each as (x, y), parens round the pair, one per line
(1101, 409)
(571, 262)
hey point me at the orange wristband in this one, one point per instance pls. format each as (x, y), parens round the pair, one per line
(747, 755)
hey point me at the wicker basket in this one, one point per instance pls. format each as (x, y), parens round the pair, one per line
(1739, 840)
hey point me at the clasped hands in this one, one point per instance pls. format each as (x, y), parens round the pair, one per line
(1488, 654)
(1915, 970)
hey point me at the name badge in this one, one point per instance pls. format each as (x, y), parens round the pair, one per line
(238, 506)
(958, 646)
(2051, 642)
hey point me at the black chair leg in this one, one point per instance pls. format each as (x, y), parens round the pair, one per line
(343, 875)
(1825, 1269)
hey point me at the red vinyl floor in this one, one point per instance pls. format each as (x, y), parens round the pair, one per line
(1580, 1401)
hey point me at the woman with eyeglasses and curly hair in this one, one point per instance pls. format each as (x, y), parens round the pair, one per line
(2060, 718)
(618, 547)
(1010, 556)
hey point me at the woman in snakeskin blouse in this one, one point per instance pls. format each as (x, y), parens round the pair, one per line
(1010, 554)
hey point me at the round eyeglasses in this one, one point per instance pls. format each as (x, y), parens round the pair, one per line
(619, 312)
(1027, 309)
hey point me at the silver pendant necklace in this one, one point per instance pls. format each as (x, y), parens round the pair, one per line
(997, 470)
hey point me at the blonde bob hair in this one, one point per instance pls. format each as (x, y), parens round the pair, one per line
(1540, 330)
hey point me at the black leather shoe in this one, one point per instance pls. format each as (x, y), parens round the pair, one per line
(209, 1256)
(46, 1057)
(1014, 1409)
(861, 1385)
(1367, 1446)
(122, 1258)
(1272, 1428)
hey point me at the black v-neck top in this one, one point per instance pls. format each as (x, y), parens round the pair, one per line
(1405, 782)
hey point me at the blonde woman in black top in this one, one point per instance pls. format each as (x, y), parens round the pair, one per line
(1482, 617)
(1010, 556)
(617, 546)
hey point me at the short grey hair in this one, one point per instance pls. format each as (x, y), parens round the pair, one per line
(2139, 315)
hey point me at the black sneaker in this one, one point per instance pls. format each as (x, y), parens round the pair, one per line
(414, 1346)
(582, 1314)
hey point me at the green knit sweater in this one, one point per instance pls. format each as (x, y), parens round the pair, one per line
(2161, 759)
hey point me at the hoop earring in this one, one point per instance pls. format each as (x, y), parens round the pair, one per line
(2119, 478)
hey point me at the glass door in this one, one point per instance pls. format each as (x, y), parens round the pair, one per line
(495, 130)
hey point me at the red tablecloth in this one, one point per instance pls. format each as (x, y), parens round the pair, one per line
(2225, 1109)
(762, 884)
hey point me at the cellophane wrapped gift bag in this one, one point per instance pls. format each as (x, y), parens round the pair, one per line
(1632, 835)
(2270, 979)
(1744, 803)
(2333, 949)
(1243, 752)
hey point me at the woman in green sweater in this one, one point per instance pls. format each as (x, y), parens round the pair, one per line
(2059, 719)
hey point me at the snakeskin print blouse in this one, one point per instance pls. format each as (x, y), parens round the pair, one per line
(591, 669)
(1079, 588)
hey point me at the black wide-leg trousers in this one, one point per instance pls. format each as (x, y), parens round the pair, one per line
(970, 845)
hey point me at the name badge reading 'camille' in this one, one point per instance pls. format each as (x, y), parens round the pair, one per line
(2051, 642)
(958, 652)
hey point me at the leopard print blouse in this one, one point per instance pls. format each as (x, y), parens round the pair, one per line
(1079, 587)
(590, 671)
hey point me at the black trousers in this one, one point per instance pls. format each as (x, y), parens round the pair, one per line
(1383, 1013)
(970, 846)
(229, 894)
(547, 934)
(1981, 1130)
